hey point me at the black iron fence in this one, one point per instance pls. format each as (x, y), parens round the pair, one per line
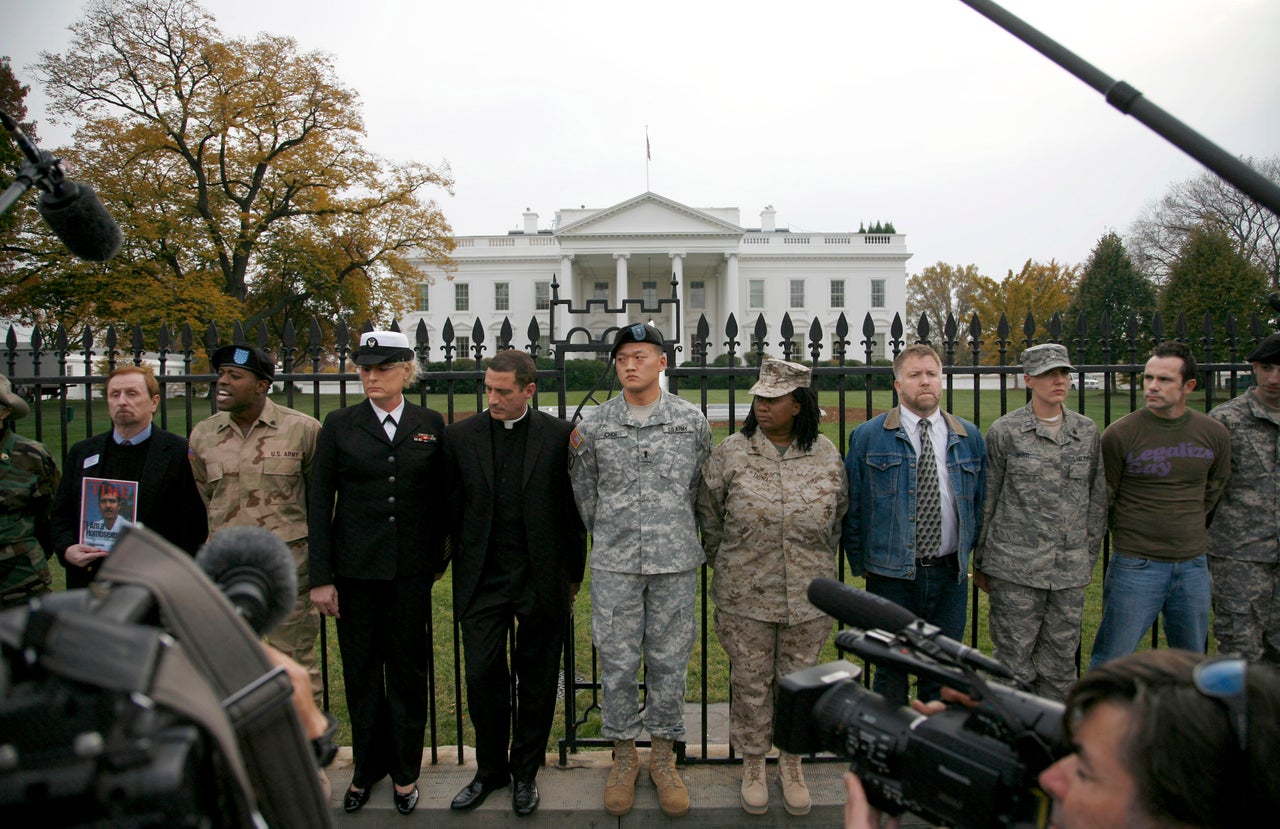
(65, 378)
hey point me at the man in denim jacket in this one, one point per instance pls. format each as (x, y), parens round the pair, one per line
(925, 572)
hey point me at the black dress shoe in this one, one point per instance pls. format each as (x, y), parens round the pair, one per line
(474, 794)
(405, 802)
(525, 798)
(354, 800)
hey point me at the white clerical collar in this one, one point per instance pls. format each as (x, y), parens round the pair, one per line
(511, 424)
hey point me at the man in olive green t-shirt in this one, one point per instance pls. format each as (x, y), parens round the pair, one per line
(1166, 466)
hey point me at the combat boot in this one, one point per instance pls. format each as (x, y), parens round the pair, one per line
(795, 794)
(620, 789)
(673, 797)
(755, 791)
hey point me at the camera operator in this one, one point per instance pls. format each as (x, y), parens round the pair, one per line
(1162, 739)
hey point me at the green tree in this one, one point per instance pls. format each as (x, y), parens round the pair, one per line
(238, 173)
(1211, 276)
(13, 95)
(1111, 284)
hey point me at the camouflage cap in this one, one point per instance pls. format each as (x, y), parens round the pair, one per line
(378, 347)
(1038, 359)
(779, 377)
(638, 333)
(14, 401)
(247, 357)
(1268, 351)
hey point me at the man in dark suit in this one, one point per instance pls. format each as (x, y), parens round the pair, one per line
(134, 450)
(519, 553)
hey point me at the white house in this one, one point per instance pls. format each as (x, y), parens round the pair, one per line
(633, 250)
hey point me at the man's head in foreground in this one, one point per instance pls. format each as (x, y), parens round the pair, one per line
(1168, 738)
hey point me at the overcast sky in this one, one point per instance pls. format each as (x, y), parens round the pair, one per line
(921, 112)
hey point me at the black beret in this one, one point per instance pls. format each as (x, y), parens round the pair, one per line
(1268, 351)
(245, 356)
(638, 333)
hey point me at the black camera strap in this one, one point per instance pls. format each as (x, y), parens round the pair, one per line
(254, 697)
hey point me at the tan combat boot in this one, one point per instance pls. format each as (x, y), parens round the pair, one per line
(755, 792)
(795, 794)
(673, 797)
(620, 789)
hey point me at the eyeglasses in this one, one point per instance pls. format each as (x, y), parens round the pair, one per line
(1223, 679)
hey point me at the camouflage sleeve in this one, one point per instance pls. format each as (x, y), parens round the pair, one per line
(583, 474)
(711, 504)
(996, 458)
(1219, 472)
(198, 469)
(704, 452)
(842, 504)
(48, 486)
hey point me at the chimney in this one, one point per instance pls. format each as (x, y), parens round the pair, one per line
(767, 219)
(530, 222)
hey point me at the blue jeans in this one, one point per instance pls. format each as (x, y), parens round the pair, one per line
(1137, 590)
(936, 596)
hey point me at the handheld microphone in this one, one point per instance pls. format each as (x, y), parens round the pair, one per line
(255, 571)
(867, 611)
(78, 218)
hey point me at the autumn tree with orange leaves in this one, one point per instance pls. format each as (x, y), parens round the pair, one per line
(238, 173)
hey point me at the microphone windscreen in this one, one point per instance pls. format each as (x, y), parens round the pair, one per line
(251, 560)
(858, 608)
(82, 222)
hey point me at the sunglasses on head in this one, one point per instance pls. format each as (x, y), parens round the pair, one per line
(1223, 679)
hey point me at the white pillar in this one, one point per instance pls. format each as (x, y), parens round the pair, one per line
(620, 286)
(677, 270)
(731, 291)
(566, 281)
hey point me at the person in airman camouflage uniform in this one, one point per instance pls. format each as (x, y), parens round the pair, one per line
(1244, 538)
(636, 463)
(28, 481)
(252, 463)
(772, 508)
(1044, 516)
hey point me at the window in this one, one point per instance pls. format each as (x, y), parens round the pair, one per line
(877, 293)
(755, 292)
(462, 348)
(502, 296)
(462, 297)
(541, 296)
(797, 293)
(837, 293)
(424, 297)
(601, 291)
(697, 295)
(649, 294)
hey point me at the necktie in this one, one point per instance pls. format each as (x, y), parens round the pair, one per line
(389, 426)
(928, 501)
(126, 442)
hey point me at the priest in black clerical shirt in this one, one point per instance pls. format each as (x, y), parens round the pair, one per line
(519, 550)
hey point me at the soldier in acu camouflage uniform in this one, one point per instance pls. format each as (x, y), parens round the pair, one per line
(1043, 519)
(771, 507)
(252, 463)
(1244, 538)
(28, 480)
(636, 464)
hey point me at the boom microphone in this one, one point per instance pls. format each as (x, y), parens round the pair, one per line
(78, 218)
(255, 571)
(867, 611)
